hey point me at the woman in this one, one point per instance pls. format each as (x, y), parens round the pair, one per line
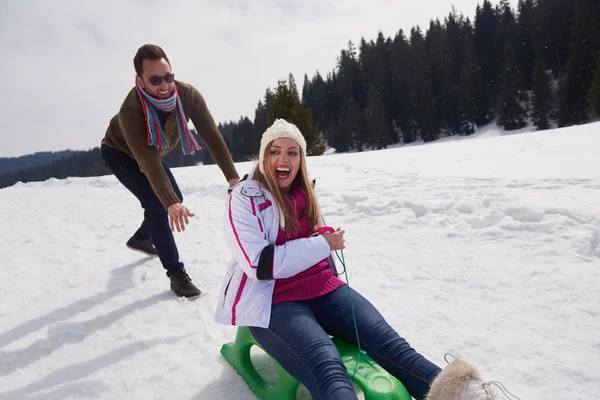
(282, 283)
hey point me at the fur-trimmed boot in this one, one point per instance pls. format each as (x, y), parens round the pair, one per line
(461, 381)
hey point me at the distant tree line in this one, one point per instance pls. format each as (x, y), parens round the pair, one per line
(11, 164)
(538, 64)
(89, 163)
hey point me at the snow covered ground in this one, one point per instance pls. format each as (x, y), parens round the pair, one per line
(486, 247)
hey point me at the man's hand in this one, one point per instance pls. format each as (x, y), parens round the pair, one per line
(178, 216)
(233, 182)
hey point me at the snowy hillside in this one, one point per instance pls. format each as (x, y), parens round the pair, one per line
(486, 247)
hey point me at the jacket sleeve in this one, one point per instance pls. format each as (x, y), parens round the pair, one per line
(210, 135)
(247, 240)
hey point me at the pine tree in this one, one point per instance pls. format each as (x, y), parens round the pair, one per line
(292, 85)
(261, 119)
(350, 90)
(593, 96)
(378, 134)
(261, 115)
(243, 133)
(334, 131)
(552, 32)
(507, 28)
(511, 98)
(541, 102)
(486, 26)
(332, 102)
(400, 75)
(579, 73)
(226, 130)
(467, 98)
(316, 101)
(375, 61)
(286, 104)
(306, 92)
(438, 50)
(525, 49)
(455, 32)
(505, 34)
(349, 77)
(485, 33)
(383, 83)
(423, 115)
(349, 134)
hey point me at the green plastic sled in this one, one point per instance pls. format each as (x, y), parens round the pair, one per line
(374, 381)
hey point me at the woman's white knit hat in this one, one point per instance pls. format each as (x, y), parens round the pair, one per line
(279, 129)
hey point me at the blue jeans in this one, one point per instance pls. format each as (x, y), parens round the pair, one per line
(155, 225)
(298, 338)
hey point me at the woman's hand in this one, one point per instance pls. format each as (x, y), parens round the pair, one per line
(335, 239)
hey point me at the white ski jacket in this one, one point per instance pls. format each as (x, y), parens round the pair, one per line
(251, 225)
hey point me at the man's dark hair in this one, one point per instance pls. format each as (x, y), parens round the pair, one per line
(149, 52)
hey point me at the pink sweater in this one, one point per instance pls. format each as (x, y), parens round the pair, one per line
(316, 281)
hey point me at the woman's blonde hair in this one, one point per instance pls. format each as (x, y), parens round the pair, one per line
(312, 212)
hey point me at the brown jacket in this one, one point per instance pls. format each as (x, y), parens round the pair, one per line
(127, 132)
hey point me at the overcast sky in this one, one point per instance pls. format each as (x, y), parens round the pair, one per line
(67, 65)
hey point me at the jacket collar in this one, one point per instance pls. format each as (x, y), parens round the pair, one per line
(248, 186)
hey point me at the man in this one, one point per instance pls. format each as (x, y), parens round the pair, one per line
(150, 123)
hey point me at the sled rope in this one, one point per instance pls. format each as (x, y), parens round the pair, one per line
(360, 350)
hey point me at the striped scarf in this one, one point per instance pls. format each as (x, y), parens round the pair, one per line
(156, 136)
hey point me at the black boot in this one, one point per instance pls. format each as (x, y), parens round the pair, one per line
(182, 285)
(142, 245)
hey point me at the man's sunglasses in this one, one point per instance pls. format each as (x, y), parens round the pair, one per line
(156, 80)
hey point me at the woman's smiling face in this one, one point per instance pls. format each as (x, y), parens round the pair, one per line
(284, 159)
